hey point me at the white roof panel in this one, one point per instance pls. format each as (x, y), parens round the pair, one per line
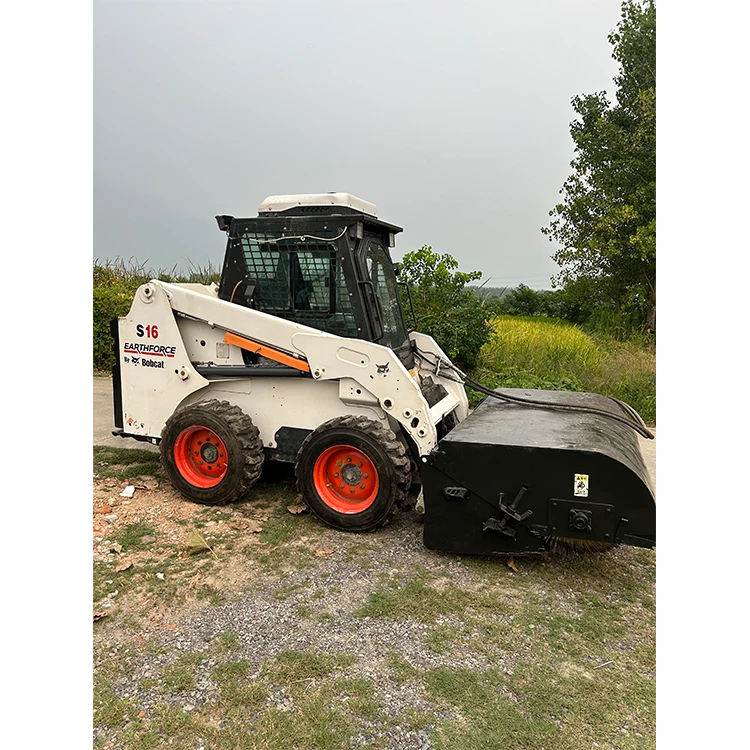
(284, 202)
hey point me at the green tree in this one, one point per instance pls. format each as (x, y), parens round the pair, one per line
(522, 300)
(606, 223)
(445, 309)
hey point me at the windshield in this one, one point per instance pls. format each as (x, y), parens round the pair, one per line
(380, 272)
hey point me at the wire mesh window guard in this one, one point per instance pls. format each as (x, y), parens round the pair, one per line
(299, 280)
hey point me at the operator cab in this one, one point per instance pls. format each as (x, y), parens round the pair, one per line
(321, 260)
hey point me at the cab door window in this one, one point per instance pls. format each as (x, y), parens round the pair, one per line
(380, 272)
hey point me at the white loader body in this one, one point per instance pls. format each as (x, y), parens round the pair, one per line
(174, 330)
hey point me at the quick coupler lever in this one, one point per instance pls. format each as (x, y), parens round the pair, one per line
(508, 524)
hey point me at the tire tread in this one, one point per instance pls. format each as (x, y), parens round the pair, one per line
(242, 428)
(393, 447)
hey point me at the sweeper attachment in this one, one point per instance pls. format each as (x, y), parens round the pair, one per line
(517, 478)
(302, 354)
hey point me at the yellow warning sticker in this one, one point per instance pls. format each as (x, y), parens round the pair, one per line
(581, 485)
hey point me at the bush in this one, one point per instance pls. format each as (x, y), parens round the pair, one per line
(529, 302)
(115, 285)
(628, 372)
(109, 302)
(588, 302)
(445, 310)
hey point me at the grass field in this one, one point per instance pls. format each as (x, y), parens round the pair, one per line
(552, 354)
(287, 634)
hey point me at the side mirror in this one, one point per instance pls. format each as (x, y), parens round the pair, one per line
(396, 268)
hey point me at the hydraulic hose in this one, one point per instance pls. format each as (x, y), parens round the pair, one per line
(441, 364)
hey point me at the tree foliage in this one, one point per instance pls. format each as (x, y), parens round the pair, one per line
(606, 222)
(445, 309)
(522, 300)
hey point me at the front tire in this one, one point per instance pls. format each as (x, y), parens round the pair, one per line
(351, 472)
(211, 452)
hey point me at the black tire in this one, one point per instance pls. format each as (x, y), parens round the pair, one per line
(385, 452)
(416, 475)
(240, 438)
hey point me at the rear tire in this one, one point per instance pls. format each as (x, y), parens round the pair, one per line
(351, 472)
(211, 452)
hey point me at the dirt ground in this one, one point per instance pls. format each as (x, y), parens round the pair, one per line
(253, 626)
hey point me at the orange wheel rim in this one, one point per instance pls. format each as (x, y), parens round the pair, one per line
(200, 456)
(346, 479)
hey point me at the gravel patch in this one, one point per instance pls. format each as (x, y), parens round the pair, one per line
(306, 599)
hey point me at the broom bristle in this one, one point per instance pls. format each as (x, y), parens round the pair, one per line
(567, 547)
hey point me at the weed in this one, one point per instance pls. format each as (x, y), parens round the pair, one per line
(293, 666)
(176, 679)
(493, 719)
(282, 527)
(230, 671)
(441, 639)
(548, 347)
(137, 737)
(284, 592)
(179, 676)
(124, 463)
(102, 574)
(628, 373)
(213, 595)
(402, 670)
(314, 725)
(236, 691)
(109, 709)
(361, 552)
(227, 641)
(417, 599)
(419, 720)
(359, 694)
(172, 721)
(154, 648)
(132, 536)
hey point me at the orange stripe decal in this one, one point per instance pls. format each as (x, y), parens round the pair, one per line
(266, 351)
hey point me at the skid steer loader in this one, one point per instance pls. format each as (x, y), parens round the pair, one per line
(302, 354)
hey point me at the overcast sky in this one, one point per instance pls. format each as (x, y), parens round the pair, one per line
(452, 117)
